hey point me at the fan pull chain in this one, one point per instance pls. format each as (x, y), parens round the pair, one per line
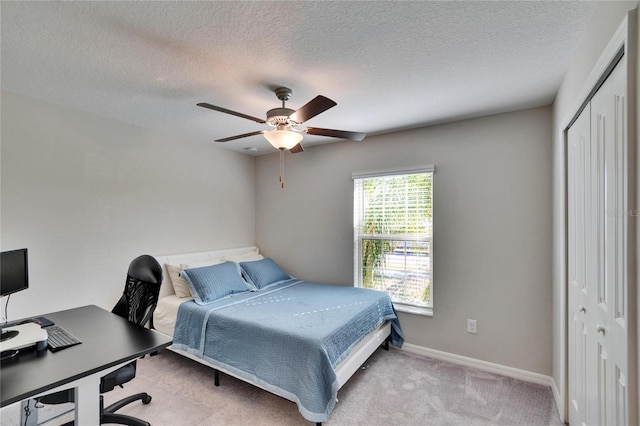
(282, 167)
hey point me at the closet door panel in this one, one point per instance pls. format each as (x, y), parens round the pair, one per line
(608, 115)
(579, 151)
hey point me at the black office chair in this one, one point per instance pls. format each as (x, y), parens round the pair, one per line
(138, 301)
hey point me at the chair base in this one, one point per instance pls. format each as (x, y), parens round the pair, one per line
(121, 419)
(108, 415)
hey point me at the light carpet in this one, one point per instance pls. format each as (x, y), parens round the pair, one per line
(392, 388)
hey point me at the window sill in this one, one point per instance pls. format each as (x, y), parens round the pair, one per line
(416, 310)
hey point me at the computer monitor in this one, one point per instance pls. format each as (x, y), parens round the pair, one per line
(14, 271)
(14, 276)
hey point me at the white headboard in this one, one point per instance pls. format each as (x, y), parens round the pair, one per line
(166, 288)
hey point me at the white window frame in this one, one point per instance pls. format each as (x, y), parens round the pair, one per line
(357, 237)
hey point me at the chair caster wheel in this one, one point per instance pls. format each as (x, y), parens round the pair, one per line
(146, 400)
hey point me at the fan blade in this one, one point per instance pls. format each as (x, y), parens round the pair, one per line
(228, 111)
(343, 134)
(231, 138)
(314, 107)
(296, 149)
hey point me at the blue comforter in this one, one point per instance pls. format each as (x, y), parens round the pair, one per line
(287, 338)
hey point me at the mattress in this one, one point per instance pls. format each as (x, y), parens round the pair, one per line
(164, 317)
(165, 321)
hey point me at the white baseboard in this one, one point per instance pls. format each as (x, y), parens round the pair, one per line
(516, 373)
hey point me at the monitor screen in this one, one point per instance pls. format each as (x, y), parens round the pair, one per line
(14, 271)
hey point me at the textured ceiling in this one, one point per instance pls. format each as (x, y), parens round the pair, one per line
(388, 65)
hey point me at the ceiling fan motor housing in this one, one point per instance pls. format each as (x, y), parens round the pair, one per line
(279, 116)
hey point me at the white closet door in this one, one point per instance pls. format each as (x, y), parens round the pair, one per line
(608, 125)
(597, 250)
(579, 151)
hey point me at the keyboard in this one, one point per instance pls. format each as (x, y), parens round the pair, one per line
(58, 338)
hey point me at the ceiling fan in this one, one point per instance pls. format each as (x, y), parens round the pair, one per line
(285, 133)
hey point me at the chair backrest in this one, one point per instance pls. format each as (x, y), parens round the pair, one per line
(140, 296)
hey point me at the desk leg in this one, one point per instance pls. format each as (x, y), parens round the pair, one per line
(87, 389)
(88, 402)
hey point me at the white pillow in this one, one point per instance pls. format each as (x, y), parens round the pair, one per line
(202, 264)
(180, 286)
(245, 257)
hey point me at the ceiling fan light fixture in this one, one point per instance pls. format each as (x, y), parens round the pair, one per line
(283, 138)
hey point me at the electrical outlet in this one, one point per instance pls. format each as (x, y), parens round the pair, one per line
(472, 326)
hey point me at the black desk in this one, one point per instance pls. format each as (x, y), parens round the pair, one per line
(108, 342)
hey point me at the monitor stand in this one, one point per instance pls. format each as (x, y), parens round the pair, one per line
(8, 334)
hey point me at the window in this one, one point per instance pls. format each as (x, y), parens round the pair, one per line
(393, 228)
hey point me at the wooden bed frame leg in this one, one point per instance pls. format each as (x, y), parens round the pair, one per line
(216, 377)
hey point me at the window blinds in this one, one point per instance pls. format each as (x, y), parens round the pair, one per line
(393, 226)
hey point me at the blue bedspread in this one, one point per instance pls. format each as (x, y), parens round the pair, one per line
(287, 338)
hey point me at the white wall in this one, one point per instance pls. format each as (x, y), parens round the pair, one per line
(606, 20)
(86, 195)
(492, 228)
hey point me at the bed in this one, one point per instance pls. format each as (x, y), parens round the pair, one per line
(296, 339)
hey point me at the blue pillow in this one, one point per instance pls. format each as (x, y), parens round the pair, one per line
(264, 272)
(210, 283)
